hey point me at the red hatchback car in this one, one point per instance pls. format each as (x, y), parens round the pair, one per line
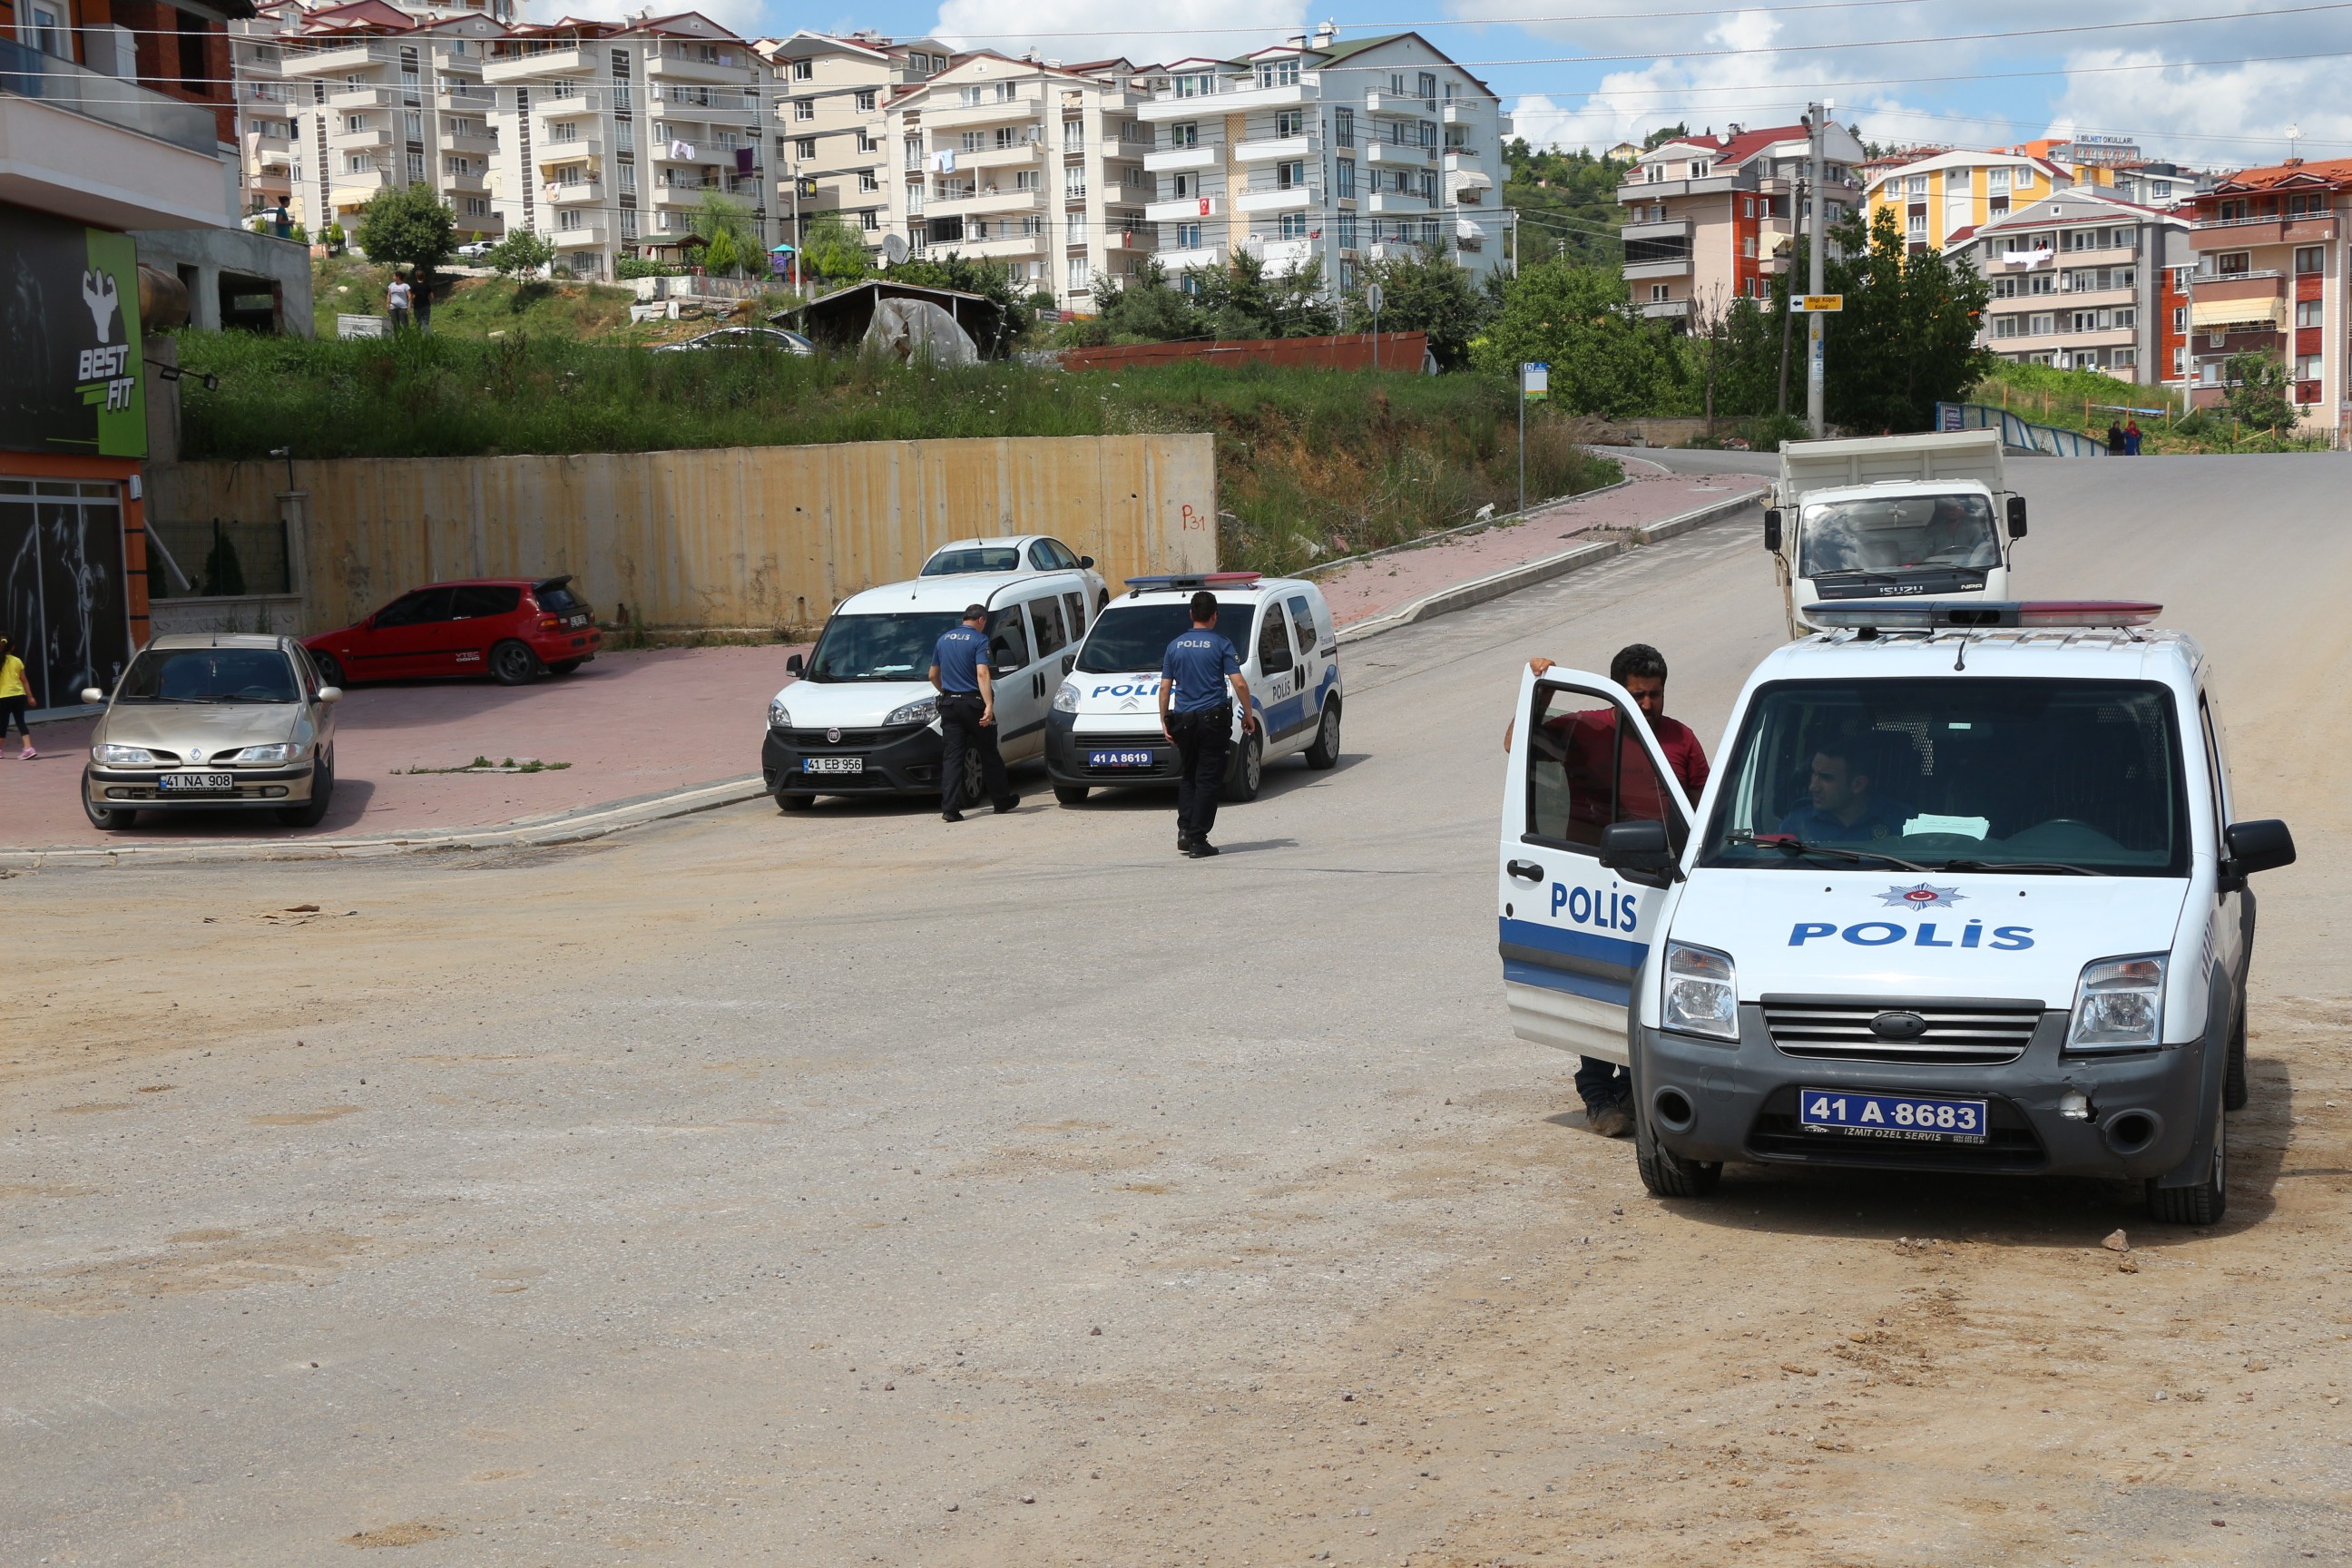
(512, 629)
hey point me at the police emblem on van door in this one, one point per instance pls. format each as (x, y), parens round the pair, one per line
(1921, 896)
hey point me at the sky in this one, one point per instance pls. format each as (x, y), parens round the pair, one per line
(2220, 84)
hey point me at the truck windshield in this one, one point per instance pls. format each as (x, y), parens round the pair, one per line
(879, 648)
(1131, 638)
(1957, 774)
(1891, 533)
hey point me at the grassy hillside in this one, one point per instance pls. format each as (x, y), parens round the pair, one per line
(1309, 463)
(2086, 400)
(479, 306)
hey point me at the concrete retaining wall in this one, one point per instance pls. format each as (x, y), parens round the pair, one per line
(734, 537)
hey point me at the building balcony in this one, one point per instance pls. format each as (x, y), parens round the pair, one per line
(270, 153)
(465, 97)
(545, 153)
(355, 97)
(465, 185)
(682, 193)
(351, 187)
(1674, 230)
(982, 203)
(1284, 256)
(1170, 159)
(1014, 156)
(710, 106)
(1464, 111)
(1396, 250)
(1667, 190)
(1001, 246)
(1665, 310)
(2213, 291)
(340, 60)
(1395, 202)
(1278, 199)
(483, 145)
(1659, 267)
(1274, 149)
(588, 237)
(732, 66)
(1464, 161)
(546, 65)
(105, 150)
(1397, 155)
(1241, 101)
(572, 192)
(1183, 209)
(568, 106)
(1202, 256)
(2239, 234)
(996, 112)
(377, 133)
(1397, 103)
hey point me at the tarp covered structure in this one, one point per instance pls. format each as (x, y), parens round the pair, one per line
(841, 319)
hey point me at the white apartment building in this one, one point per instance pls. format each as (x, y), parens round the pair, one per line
(611, 134)
(337, 103)
(833, 125)
(1329, 150)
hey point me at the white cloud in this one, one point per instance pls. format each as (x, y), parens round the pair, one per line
(1098, 29)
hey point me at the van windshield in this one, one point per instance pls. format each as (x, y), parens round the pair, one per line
(1957, 774)
(879, 648)
(1895, 534)
(1130, 638)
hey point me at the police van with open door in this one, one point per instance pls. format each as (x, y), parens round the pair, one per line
(1967, 891)
(1104, 727)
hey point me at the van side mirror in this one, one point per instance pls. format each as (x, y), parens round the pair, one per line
(92, 695)
(1638, 850)
(1772, 529)
(2017, 517)
(330, 694)
(793, 666)
(1084, 562)
(2254, 847)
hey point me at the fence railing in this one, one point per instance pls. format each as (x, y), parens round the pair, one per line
(29, 73)
(2018, 435)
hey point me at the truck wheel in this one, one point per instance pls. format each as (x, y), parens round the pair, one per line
(2234, 1080)
(1667, 1174)
(794, 802)
(1248, 771)
(2205, 1203)
(1325, 752)
(1070, 795)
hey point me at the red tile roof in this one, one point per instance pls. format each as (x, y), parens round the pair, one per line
(1748, 143)
(2325, 171)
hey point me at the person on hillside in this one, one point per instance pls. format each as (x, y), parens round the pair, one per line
(15, 699)
(2132, 439)
(2114, 439)
(396, 297)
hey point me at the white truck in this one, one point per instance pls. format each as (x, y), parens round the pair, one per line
(1892, 516)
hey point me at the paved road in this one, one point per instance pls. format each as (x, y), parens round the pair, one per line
(752, 1188)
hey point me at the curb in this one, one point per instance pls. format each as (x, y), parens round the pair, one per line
(1511, 579)
(574, 826)
(1500, 519)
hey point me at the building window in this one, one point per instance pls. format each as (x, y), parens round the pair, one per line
(1074, 228)
(1343, 127)
(1200, 85)
(1291, 226)
(804, 109)
(805, 147)
(1916, 184)
(910, 155)
(1028, 179)
(865, 102)
(867, 181)
(1077, 273)
(1699, 167)
(1997, 182)
(973, 141)
(1188, 236)
(2180, 364)
(1282, 72)
(1186, 134)
(2306, 312)
(1343, 179)
(2310, 259)
(2181, 317)
(1347, 231)
(2307, 367)
(2230, 262)
(1748, 247)
(2123, 359)
(1661, 292)
(2043, 324)
(1290, 122)
(1074, 181)
(477, 207)
(2004, 326)
(1074, 136)
(1428, 84)
(1290, 176)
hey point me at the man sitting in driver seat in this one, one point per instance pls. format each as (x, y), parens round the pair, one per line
(1844, 807)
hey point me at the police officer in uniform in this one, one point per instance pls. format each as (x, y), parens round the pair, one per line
(1200, 679)
(1843, 803)
(967, 689)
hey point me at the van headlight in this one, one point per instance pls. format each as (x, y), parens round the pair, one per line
(778, 718)
(922, 710)
(285, 752)
(1702, 992)
(1066, 698)
(122, 756)
(2118, 1006)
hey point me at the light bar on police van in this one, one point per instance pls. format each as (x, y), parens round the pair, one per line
(1191, 579)
(1941, 614)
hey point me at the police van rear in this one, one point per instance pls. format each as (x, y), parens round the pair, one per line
(1967, 891)
(1104, 731)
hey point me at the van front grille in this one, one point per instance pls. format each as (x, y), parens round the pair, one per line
(1955, 1034)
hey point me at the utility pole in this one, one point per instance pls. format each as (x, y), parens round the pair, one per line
(1817, 121)
(1788, 291)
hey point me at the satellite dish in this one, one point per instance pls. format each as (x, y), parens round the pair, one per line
(894, 248)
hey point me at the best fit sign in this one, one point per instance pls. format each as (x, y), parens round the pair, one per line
(70, 336)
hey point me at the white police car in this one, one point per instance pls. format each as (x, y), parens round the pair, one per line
(1104, 727)
(1965, 892)
(863, 718)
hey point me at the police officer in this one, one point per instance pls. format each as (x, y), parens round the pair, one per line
(1200, 679)
(1843, 803)
(967, 689)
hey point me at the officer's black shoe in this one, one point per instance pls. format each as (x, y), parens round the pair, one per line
(1184, 844)
(1200, 850)
(1007, 803)
(951, 816)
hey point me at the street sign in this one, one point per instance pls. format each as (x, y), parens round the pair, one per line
(1826, 304)
(1534, 380)
(1372, 297)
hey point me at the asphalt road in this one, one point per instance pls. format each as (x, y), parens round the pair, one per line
(752, 1188)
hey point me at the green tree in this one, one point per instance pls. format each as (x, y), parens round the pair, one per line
(1663, 134)
(1906, 338)
(410, 226)
(2257, 380)
(1425, 292)
(1605, 358)
(1146, 309)
(832, 251)
(1567, 202)
(718, 214)
(520, 255)
(722, 256)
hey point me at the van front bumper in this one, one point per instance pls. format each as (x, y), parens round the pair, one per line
(902, 759)
(1068, 749)
(1712, 1101)
(141, 789)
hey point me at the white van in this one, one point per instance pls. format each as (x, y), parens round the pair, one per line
(1965, 892)
(863, 717)
(1104, 727)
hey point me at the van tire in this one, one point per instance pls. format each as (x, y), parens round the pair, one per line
(1325, 752)
(2234, 1093)
(1071, 794)
(786, 802)
(1667, 1174)
(2208, 1200)
(1248, 771)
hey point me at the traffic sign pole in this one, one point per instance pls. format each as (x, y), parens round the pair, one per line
(1535, 386)
(1817, 120)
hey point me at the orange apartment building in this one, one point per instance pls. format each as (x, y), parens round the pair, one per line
(2271, 276)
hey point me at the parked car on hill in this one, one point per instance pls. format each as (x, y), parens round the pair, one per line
(512, 629)
(1015, 553)
(774, 339)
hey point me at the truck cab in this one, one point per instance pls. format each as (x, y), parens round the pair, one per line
(1892, 517)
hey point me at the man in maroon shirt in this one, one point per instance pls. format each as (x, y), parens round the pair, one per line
(1607, 1089)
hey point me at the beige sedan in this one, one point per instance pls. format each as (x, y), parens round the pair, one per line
(213, 721)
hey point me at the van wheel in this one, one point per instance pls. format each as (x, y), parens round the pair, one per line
(1070, 795)
(1667, 1174)
(794, 802)
(2233, 1078)
(1325, 752)
(1248, 771)
(2208, 1200)
(512, 664)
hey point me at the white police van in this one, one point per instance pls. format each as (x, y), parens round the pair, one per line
(1104, 727)
(863, 717)
(1965, 892)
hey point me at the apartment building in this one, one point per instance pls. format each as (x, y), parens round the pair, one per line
(610, 136)
(1712, 218)
(2160, 185)
(1937, 200)
(833, 128)
(1029, 162)
(1325, 151)
(2271, 276)
(2083, 281)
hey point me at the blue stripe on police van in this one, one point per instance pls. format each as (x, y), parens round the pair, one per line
(1590, 987)
(1576, 943)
